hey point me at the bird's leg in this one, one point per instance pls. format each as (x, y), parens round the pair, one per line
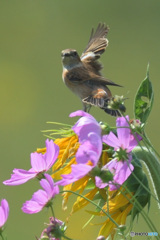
(86, 107)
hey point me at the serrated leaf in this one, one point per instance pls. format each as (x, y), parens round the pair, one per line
(144, 100)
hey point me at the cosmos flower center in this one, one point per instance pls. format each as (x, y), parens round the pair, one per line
(121, 154)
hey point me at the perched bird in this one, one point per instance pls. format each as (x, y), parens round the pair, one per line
(82, 74)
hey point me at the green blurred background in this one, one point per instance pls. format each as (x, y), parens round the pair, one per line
(33, 33)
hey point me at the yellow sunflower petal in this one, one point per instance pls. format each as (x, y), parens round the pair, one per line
(93, 213)
(117, 200)
(64, 170)
(107, 228)
(104, 158)
(119, 217)
(80, 184)
(81, 202)
(66, 196)
(41, 150)
(67, 147)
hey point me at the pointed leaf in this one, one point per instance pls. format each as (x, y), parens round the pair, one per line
(144, 99)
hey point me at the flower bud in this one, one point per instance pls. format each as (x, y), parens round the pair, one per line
(106, 175)
(117, 103)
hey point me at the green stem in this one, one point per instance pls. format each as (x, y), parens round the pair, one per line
(108, 215)
(134, 201)
(153, 166)
(2, 236)
(52, 211)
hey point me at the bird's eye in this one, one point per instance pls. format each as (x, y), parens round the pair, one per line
(66, 54)
(74, 53)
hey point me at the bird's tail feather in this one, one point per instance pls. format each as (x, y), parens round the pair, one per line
(112, 112)
(101, 103)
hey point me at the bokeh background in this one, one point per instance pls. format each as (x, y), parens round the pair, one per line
(32, 35)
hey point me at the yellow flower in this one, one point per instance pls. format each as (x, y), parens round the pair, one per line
(116, 203)
(68, 147)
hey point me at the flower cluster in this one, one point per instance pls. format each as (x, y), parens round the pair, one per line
(91, 141)
(54, 231)
(91, 161)
(87, 156)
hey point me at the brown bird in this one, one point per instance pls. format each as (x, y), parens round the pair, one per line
(82, 74)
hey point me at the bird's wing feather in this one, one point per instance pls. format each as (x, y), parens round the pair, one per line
(97, 42)
(95, 47)
(82, 76)
(103, 81)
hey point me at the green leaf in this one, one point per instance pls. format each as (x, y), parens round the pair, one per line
(144, 99)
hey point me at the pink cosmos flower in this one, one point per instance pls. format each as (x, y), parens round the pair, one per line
(78, 172)
(41, 198)
(4, 212)
(123, 144)
(40, 163)
(89, 134)
(86, 124)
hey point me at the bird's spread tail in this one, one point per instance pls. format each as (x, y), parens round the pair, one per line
(101, 103)
(112, 112)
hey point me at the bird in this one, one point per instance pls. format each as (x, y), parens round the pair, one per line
(82, 74)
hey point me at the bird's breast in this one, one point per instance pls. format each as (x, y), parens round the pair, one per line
(75, 83)
(80, 83)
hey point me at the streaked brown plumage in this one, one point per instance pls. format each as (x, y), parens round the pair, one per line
(82, 74)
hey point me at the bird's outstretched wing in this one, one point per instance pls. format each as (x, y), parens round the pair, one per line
(95, 47)
(97, 42)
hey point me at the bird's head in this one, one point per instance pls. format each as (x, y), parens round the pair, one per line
(70, 58)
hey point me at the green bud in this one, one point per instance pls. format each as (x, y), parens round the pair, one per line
(121, 154)
(117, 103)
(105, 128)
(106, 176)
(122, 228)
(96, 171)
